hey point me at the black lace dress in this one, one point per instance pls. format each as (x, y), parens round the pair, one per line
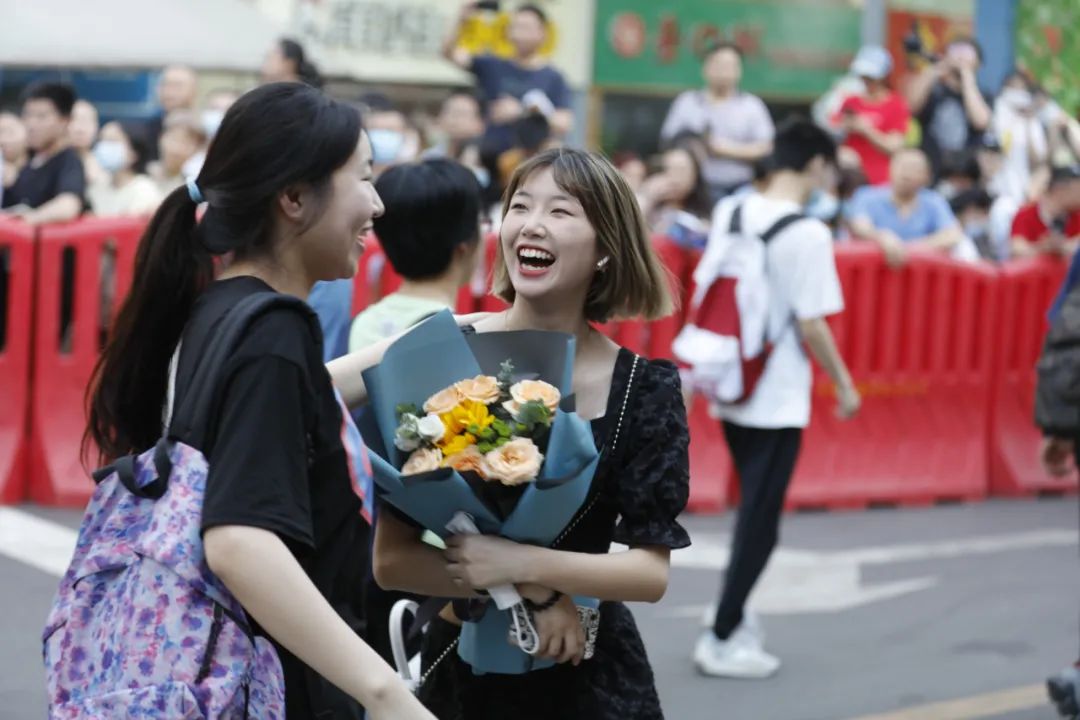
(639, 491)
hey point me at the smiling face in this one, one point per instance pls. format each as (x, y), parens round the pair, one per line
(333, 244)
(549, 246)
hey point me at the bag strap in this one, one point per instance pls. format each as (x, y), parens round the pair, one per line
(735, 228)
(194, 414)
(609, 449)
(780, 226)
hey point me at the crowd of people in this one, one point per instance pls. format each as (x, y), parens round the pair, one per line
(938, 164)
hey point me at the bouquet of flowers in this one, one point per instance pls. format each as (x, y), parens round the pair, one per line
(481, 426)
(490, 429)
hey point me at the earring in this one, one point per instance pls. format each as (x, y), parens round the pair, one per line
(602, 264)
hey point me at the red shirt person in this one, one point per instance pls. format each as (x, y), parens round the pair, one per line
(877, 120)
(1050, 225)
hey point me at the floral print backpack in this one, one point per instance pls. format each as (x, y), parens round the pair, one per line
(140, 627)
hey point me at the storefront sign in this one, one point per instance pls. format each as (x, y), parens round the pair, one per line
(793, 48)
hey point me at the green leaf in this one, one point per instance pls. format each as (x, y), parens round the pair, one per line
(506, 374)
(501, 428)
(407, 408)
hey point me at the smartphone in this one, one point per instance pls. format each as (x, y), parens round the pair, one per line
(492, 5)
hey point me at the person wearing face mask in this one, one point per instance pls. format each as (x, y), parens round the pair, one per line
(1022, 136)
(972, 209)
(393, 138)
(121, 151)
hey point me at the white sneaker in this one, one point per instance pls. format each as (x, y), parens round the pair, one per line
(737, 657)
(751, 623)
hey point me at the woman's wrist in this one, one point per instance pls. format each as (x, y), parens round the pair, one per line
(550, 602)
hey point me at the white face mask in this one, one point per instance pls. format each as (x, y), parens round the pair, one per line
(111, 155)
(1016, 97)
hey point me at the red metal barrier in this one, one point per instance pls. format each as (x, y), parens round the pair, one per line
(17, 317)
(1027, 290)
(920, 344)
(101, 255)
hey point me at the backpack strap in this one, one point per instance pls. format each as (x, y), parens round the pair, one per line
(780, 226)
(194, 414)
(735, 228)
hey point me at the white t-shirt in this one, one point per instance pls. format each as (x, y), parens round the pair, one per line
(803, 285)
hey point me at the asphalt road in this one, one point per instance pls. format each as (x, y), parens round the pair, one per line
(939, 614)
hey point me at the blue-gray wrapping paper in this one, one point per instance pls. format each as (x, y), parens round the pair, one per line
(432, 356)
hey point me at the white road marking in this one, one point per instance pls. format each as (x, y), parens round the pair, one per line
(804, 581)
(39, 543)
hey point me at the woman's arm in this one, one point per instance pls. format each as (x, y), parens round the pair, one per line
(264, 576)
(639, 574)
(346, 372)
(404, 562)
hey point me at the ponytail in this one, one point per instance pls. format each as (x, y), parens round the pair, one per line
(129, 381)
(276, 136)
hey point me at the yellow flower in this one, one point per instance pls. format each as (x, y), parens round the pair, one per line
(457, 443)
(465, 415)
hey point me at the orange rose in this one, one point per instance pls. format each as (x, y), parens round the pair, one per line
(468, 460)
(443, 401)
(536, 391)
(515, 463)
(422, 460)
(482, 389)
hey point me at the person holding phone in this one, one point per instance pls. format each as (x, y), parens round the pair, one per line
(946, 100)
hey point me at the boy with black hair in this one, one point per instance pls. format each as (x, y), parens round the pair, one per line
(430, 233)
(764, 433)
(51, 187)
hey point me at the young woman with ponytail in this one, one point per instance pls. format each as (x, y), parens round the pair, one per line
(288, 195)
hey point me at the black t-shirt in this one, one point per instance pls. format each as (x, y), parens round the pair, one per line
(945, 124)
(277, 462)
(35, 186)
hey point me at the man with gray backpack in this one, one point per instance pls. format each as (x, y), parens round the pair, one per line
(766, 285)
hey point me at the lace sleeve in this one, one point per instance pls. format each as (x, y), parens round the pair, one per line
(654, 478)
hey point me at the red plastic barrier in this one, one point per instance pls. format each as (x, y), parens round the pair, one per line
(16, 304)
(920, 345)
(64, 357)
(1027, 290)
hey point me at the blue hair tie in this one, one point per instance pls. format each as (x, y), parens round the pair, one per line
(194, 193)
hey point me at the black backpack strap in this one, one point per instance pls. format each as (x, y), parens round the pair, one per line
(735, 228)
(194, 414)
(780, 225)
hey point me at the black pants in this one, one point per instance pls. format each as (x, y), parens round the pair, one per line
(764, 460)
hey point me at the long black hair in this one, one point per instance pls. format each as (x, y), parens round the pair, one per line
(275, 136)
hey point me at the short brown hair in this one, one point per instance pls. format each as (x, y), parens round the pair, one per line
(634, 283)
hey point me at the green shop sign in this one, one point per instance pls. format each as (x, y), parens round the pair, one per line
(793, 48)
